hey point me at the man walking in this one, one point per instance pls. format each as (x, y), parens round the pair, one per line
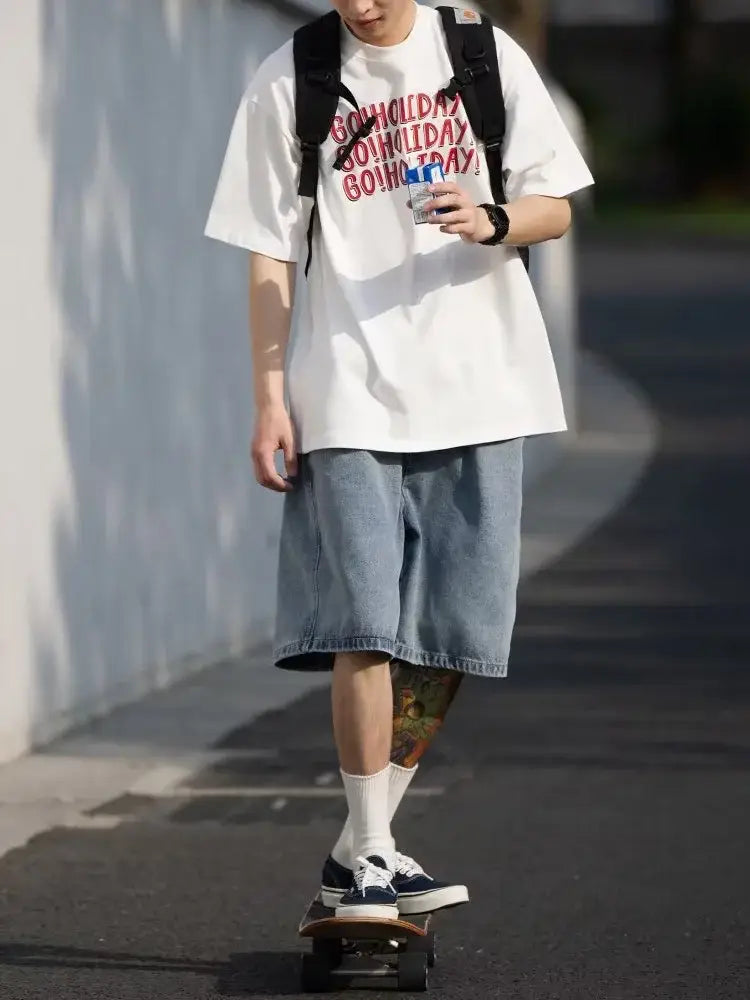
(418, 365)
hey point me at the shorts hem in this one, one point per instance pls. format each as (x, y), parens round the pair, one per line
(316, 654)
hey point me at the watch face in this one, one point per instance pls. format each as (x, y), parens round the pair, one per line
(499, 219)
(502, 223)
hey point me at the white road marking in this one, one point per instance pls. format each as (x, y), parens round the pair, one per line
(159, 780)
(326, 778)
(278, 791)
(82, 822)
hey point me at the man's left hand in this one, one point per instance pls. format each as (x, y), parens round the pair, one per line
(464, 218)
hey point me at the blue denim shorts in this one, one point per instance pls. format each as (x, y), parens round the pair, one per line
(413, 555)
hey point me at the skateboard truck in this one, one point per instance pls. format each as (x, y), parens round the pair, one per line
(345, 951)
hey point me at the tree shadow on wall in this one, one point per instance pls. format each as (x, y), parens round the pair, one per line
(157, 558)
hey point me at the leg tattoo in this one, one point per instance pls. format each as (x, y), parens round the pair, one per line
(421, 698)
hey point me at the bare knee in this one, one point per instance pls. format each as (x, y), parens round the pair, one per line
(360, 660)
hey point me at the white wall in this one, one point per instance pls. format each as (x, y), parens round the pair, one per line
(131, 535)
(133, 542)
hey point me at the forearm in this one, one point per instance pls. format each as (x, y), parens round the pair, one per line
(535, 219)
(271, 301)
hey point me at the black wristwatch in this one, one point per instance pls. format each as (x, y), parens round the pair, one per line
(499, 219)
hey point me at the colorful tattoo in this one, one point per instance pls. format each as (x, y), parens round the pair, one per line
(421, 698)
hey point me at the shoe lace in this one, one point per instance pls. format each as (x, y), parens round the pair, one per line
(407, 866)
(368, 874)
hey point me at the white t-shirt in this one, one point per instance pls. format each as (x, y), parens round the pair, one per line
(407, 339)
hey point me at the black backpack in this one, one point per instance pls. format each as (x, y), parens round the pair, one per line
(476, 76)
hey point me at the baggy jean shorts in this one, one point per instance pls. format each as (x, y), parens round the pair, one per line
(413, 555)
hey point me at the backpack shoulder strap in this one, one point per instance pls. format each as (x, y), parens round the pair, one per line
(318, 89)
(317, 70)
(476, 76)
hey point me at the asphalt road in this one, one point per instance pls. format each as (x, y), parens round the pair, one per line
(597, 801)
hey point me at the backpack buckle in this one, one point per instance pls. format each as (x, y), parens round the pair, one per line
(474, 72)
(464, 79)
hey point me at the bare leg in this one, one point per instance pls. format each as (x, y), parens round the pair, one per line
(421, 697)
(362, 701)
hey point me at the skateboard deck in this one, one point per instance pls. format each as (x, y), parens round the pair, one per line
(359, 948)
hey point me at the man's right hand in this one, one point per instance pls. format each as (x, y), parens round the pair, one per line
(274, 432)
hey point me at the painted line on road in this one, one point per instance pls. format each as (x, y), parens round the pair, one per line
(158, 780)
(279, 792)
(83, 822)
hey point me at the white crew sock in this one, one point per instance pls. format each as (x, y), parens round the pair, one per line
(367, 798)
(398, 781)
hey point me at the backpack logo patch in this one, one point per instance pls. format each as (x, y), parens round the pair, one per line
(467, 17)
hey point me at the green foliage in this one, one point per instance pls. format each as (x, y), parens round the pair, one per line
(709, 135)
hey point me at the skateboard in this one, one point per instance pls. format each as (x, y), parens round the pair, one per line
(361, 948)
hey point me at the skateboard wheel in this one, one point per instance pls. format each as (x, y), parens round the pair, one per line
(316, 974)
(426, 945)
(412, 972)
(431, 948)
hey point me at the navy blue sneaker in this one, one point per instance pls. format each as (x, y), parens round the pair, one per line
(372, 893)
(418, 892)
(335, 881)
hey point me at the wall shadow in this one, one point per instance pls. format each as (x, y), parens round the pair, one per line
(170, 545)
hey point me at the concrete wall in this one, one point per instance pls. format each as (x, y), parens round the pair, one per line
(134, 544)
(132, 541)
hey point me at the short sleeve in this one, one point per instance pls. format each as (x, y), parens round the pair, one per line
(256, 204)
(540, 155)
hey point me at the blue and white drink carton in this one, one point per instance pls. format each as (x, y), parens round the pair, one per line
(419, 179)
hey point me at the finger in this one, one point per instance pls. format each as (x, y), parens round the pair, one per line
(290, 457)
(447, 201)
(444, 187)
(439, 207)
(265, 471)
(456, 229)
(448, 218)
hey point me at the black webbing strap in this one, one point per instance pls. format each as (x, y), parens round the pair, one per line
(317, 68)
(476, 76)
(362, 132)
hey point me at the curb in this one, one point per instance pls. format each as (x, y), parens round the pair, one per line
(156, 742)
(598, 470)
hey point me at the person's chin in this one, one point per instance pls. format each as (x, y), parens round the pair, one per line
(368, 32)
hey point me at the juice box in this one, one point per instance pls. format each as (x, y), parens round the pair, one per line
(418, 179)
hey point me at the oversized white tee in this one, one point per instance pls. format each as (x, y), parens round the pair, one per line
(407, 339)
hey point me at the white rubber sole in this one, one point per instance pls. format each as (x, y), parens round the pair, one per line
(435, 899)
(371, 911)
(331, 897)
